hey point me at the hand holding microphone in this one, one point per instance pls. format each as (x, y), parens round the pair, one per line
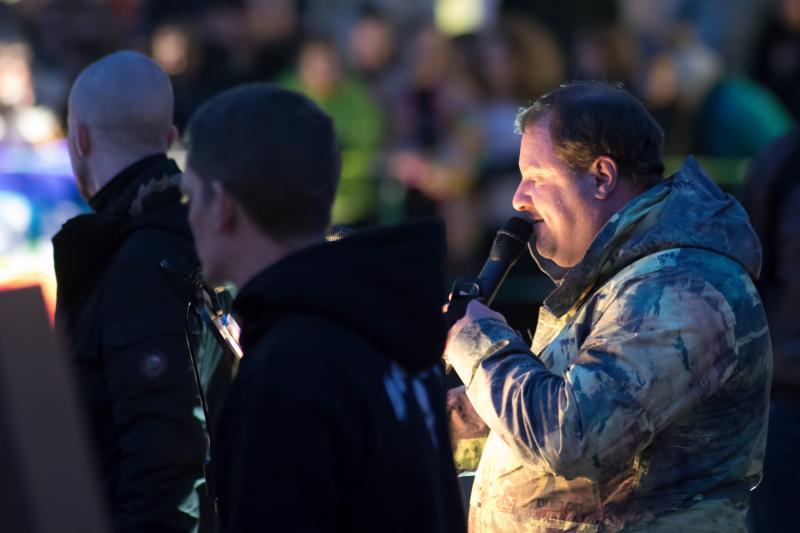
(507, 247)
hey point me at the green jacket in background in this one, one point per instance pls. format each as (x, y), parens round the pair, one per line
(359, 123)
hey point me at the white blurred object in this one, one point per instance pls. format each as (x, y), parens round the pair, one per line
(698, 68)
(49, 158)
(16, 80)
(16, 215)
(38, 125)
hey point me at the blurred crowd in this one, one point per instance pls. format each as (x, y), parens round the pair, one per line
(424, 92)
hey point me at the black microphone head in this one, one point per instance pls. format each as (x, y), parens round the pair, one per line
(511, 239)
(519, 228)
(506, 249)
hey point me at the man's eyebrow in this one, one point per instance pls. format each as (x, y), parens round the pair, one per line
(534, 169)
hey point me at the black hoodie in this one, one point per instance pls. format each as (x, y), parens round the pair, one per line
(336, 419)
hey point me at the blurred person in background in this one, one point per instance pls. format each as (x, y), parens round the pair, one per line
(559, 19)
(642, 402)
(776, 61)
(22, 122)
(491, 76)
(372, 51)
(123, 316)
(687, 74)
(67, 36)
(335, 421)
(371, 45)
(431, 135)
(606, 51)
(728, 27)
(199, 63)
(272, 38)
(209, 46)
(738, 118)
(538, 61)
(37, 192)
(771, 196)
(359, 123)
(16, 87)
(435, 137)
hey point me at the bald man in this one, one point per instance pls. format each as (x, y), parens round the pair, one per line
(123, 317)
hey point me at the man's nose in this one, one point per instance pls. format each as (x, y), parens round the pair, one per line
(521, 200)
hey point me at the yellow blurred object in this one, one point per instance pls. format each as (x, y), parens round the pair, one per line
(467, 453)
(457, 17)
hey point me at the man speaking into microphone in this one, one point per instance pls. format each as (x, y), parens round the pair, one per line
(641, 404)
(335, 421)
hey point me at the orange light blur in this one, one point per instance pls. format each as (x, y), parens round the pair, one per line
(47, 285)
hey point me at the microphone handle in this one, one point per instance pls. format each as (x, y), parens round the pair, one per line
(508, 245)
(491, 278)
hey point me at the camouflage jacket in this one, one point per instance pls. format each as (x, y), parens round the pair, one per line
(642, 403)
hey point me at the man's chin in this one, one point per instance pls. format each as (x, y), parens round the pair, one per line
(544, 251)
(546, 265)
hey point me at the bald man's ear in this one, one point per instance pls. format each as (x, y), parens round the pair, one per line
(83, 140)
(172, 134)
(605, 172)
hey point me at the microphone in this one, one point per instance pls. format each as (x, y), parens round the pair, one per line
(507, 247)
(207, 306)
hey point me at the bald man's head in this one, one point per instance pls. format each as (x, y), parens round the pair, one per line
(126, 96)
(120, 109)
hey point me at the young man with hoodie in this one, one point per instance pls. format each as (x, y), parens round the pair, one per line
(642, 403)
(335, 421)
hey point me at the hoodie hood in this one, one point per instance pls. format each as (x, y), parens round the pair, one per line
(686, 210)
(386, 285)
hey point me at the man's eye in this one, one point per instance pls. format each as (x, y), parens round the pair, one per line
(185, 199)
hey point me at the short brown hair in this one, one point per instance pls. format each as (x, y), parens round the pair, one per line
(591, 119)
(274, 151)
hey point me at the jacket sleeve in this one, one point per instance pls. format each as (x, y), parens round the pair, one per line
(154, 400)
(657, 350)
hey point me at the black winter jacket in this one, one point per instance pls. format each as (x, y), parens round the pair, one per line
(336, 419)
(124, 321)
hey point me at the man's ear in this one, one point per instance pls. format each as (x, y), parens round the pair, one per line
(83, 140)
(225, 208)
(606, 174)
(171, 135)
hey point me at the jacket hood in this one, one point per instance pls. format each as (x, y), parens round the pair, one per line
(386, 285)
(686, 210)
